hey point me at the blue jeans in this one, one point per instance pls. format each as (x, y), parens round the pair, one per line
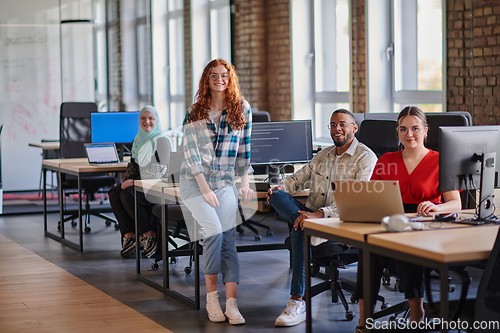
(218, 223)
(287, 207)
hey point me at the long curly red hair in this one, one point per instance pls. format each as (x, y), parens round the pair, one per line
(234, 98)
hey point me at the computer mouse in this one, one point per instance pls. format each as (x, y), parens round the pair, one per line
(448, 217)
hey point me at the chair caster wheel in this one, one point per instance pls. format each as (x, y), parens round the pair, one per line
(349, 315)
(384, 306)
(108, 223)
(154, 266)
(257, 237)
(269, 233)
(117, 227)
(74, 224)
(386, 280)
(87, 230)
(173, 260)
(451, 288)
(354, 300)
(187, 270)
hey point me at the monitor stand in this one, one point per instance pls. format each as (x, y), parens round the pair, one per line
(274, 174)
(485, 206)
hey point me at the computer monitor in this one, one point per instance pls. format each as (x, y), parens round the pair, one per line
(277, 143)
(118, 127)
(468, 158)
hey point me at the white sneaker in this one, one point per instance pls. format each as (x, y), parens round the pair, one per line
(294, 313)
(232, 313)
(214, 311)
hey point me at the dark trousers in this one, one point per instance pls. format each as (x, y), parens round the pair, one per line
(410, 275)
(123, 201)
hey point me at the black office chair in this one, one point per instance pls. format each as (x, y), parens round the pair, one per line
(435, 120)
(257, 116)
(177, 231)
(358, 117)
(379, 135)
(48, 154)
(485, 307)
(74, 132)
(334, 256)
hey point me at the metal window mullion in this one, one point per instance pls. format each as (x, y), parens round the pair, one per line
(331, 97)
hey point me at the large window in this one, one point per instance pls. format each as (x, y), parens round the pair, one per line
(321, 61)
(210, 29)
(332, 61)
(405, 54)
(418, 53)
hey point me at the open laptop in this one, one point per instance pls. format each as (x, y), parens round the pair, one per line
(367, 201)
(102, 154)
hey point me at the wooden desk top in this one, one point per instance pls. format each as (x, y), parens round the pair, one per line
(56, 162)
(443, 245)
(359, 230)
(82, 165)
(352, 230)
(46, 145)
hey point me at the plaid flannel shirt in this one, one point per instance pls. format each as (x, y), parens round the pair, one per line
(219, 155)
(356, 163)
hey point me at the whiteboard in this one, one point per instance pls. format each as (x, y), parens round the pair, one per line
(30, 85)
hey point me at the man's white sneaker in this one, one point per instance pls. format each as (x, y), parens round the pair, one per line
(214, 311)
(232, 313)
(294, 314)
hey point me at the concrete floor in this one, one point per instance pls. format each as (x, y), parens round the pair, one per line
(262, 294)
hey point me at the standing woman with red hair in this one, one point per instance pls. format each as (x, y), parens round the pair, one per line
(216, 150)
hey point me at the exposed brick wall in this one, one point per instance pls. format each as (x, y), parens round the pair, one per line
(262, 56)
(250, 56)
(279, 60)
(358, 57)
(473, 83)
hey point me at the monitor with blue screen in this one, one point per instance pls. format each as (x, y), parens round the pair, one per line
(116, 127)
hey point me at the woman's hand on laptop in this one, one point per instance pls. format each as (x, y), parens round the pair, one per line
(127, 183)
(299, 222)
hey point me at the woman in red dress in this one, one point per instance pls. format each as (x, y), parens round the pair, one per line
(417, 170)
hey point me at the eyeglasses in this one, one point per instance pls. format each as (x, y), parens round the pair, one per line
(214, 76)
(342, 124)
(414, 130)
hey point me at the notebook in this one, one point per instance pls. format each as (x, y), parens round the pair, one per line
(101, 153)
(367, 201)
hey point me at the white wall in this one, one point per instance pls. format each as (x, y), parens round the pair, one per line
(30, 84)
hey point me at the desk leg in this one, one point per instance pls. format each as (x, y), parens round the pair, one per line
(61, 206)
(367, 297)
(197, 274)
(80, 210)
(164, 245)
(44, 195)
(307, 265)
(443, 302)
(137, 251)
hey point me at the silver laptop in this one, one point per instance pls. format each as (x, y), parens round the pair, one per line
(367, 201)
(102, 154)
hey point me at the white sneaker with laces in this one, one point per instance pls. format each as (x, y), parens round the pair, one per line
(294, 314)
(214, 311)
(232, 313)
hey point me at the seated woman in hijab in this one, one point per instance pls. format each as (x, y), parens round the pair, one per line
(144, 164)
